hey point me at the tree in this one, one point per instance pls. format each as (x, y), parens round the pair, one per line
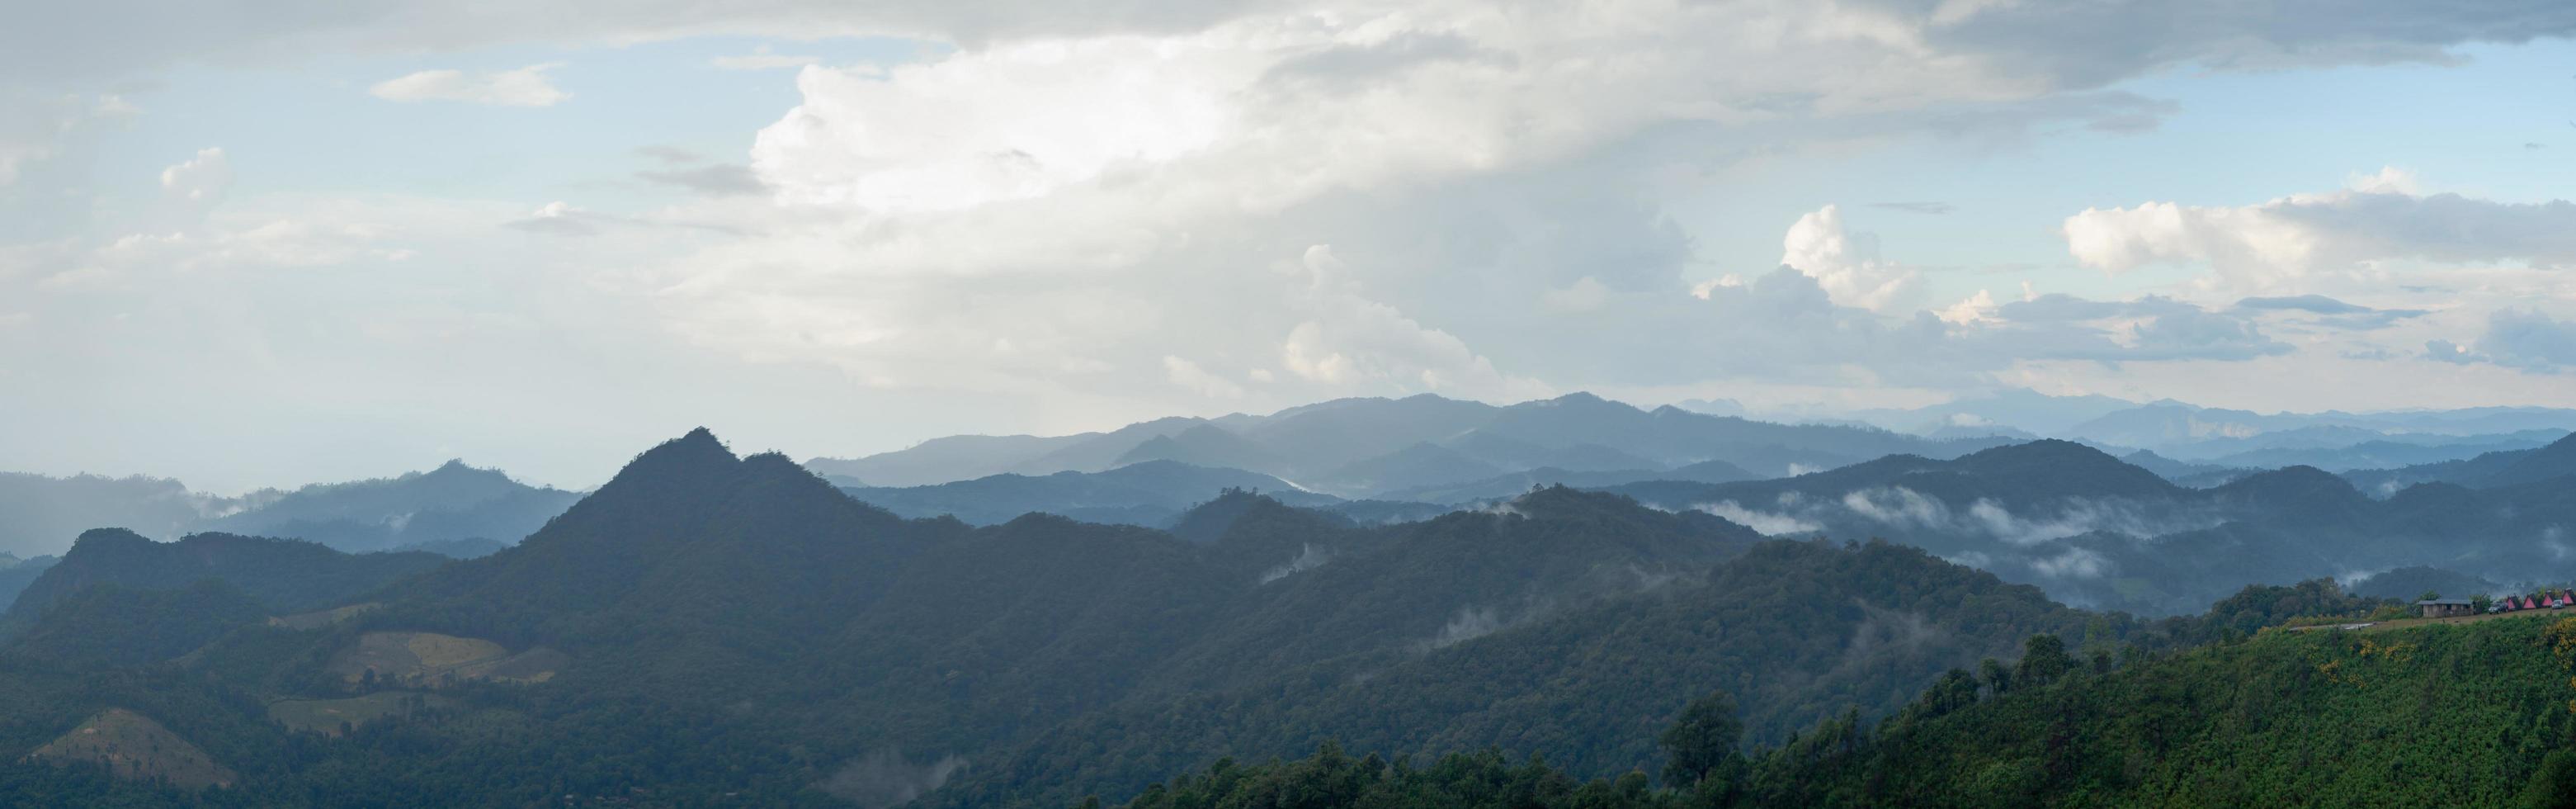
(1998, 679)
(1702, 740)
(2043, 660)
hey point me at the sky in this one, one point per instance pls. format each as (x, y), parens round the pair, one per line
(271, 243)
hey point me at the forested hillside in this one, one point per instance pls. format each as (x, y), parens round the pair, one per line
(280, 574)
(2433, 716)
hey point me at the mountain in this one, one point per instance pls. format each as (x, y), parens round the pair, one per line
(2420, 716)
(2382, 453)
(1329, 434)
(2192, 475)
(1308, 443)
(40, 515)
(2095, 531)
(940, 460)
(2552, 461)
(709, 628)
(1151, 493)
(1204, 445)
(452, 502)
(15, 578)
(279, 574)
(1550, 685)
(108, 624)
(1423, 464)
(2009, 408)
(706, 624)
(1511, 453)
(1510, 484)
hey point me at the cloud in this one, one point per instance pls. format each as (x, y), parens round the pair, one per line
(715, 180)
(670, 155)
(2153, 327)
(199, 181)
(1847, 264)
(2450, 352)
(2330, 312)
(761, 58)
(2273, 244)
(1189, 375)
(2075, 563)
(2318, 304)
(36, 127)
(524, 87)
(2530, 340)
(563, 219)
(1766, 522)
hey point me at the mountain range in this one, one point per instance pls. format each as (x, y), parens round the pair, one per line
(454, 510)
(707, 628)
(1362, 448)
(1418, 577)
(2099, 532)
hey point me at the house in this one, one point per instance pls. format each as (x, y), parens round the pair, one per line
(2443, 607)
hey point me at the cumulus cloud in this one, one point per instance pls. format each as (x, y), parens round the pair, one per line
(200, 180)
(1061, 198)
(2271, 245)
(191, 188)
(1847, 264)
(523, 87)
(1163, 173)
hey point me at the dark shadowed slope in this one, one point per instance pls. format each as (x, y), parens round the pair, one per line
(280, 574)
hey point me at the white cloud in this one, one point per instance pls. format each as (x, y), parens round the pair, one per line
(2276, 244)
(2075, 563)
(1767, 522)
(523, 87)
(1971, 310)
(1847, 265)
(201, 180)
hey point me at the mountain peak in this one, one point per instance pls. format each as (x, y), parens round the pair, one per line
(696, 456)
(2301, 484)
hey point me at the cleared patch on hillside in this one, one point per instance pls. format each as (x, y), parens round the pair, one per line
(322, 618)
(429, 659)
(536, 665)
(330, 716)
(134, 747)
